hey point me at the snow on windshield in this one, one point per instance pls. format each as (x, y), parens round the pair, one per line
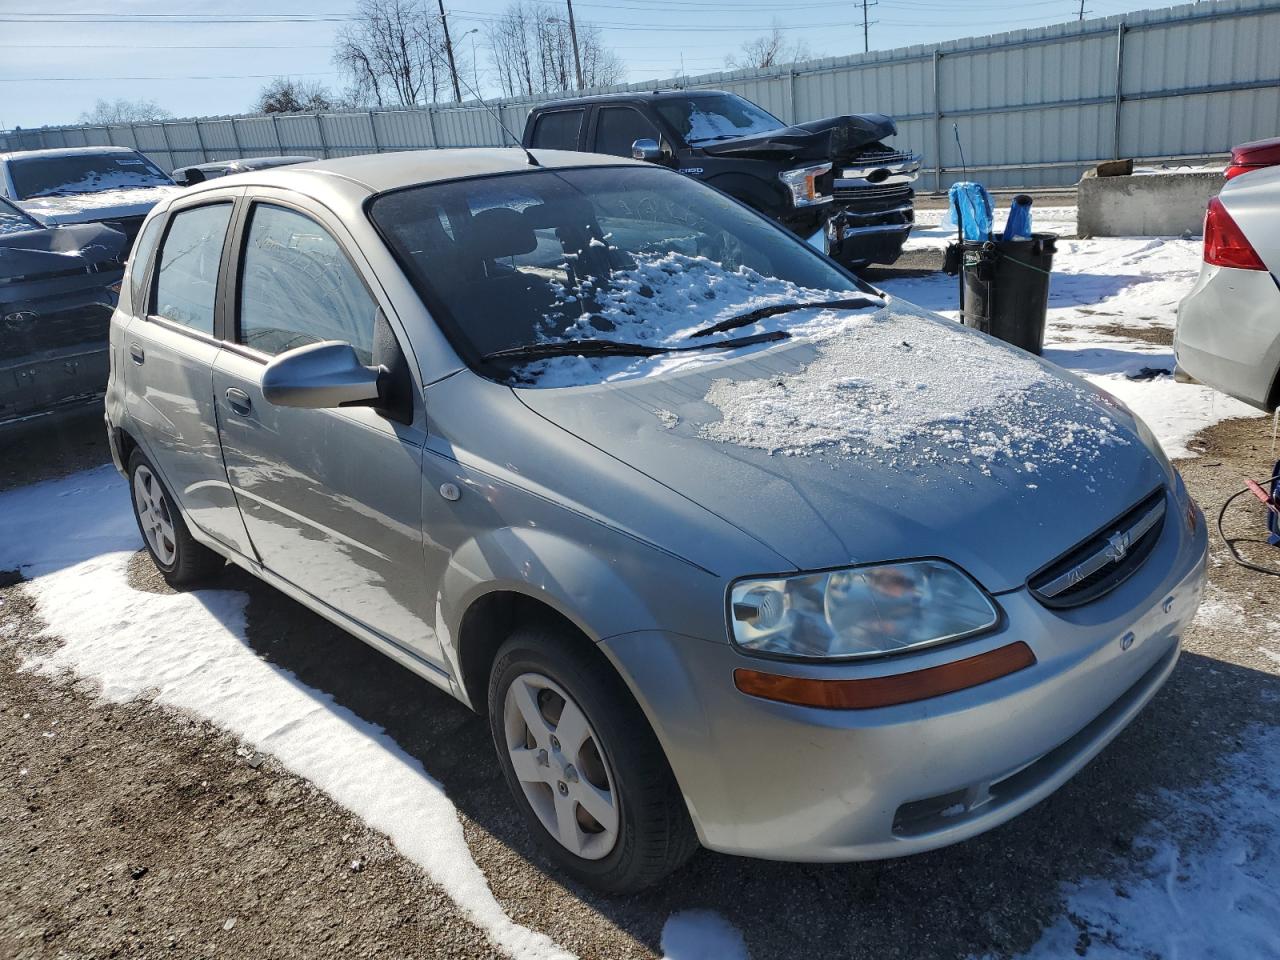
(709, 126)
(13, 220)
(46, 176)
(660, 301)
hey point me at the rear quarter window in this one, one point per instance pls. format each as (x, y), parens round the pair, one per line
(558, 130)
(187, 271)
(139, 258)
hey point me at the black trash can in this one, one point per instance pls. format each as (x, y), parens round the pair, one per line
(1005, 288)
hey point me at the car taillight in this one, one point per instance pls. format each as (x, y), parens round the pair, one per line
(1254, 156)
(1225, 244)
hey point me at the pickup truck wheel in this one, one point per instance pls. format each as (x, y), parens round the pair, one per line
(583, 765)
(178, 557)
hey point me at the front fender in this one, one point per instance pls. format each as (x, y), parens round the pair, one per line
(605, 586)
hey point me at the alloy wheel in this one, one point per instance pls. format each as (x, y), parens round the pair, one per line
(153, 515)
(561, 765)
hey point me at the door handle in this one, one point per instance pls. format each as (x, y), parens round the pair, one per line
(136, 353)
(239, 401)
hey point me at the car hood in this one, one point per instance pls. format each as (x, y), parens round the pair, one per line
(91, 207)
(902, 436)
(833, 138)
(60, 251)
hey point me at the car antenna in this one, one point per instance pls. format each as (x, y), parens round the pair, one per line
(533, 161)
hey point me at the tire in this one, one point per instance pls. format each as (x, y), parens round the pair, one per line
(651, 832)
(180, 559)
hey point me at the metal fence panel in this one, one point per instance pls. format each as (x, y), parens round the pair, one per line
(1031, 107)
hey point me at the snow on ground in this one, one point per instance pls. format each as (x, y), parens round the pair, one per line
(74, 537)
(933, 232)
(1209, 889)
(1102, 284)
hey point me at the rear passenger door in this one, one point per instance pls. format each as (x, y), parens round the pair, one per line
(167, 358)
(332, 499)
(559, 130)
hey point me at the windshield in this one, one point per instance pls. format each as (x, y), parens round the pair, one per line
(83, 173)
(703, 117)
(628, 254)
(13, 220)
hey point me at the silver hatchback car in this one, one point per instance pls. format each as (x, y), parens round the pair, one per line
(730, 547)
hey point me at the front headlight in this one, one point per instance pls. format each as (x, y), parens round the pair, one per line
(860, 611)
(802, 182)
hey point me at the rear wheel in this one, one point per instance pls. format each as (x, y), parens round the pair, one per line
(583, 765)
(179, 558)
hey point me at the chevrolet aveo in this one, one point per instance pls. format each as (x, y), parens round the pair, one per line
(731, 548)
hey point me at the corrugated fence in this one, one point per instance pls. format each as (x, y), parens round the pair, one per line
(1031, 108)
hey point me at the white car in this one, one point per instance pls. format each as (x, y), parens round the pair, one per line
(112, 185)
(1229, 324)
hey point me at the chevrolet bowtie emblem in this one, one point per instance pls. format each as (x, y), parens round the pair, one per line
(1117, 546)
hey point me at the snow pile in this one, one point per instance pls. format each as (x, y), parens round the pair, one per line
(892, 380)
(934, 230)
(659, 301)
(1209, 888)
(701, 935)
(190, 653)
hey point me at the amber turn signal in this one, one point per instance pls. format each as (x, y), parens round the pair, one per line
(869, 692)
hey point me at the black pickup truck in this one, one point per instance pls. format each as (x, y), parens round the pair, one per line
(833, 181)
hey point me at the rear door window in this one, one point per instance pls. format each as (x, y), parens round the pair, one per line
(619, 127)
(138, 260)
(298, 287)
(187, 276)
(558, 130)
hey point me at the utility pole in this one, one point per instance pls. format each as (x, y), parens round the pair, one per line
(1081, 17)
(573, 35)
(448, 48)
(866, 25)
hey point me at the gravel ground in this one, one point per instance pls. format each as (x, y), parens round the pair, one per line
(130, 831)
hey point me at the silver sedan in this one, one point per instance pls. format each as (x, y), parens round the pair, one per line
(731, 548)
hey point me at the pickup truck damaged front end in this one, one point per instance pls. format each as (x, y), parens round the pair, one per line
(849, 192)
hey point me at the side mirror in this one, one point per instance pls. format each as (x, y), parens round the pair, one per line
(319, 376)
(646, 149)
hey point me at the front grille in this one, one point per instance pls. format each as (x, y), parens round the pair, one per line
(894, 195)
(23, 332)
(881, 155)
(1096, 566)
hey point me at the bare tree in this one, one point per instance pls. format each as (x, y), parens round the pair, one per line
(394, 54)
(532, 52)
(125, 111)
(768, 50)
(286, 95)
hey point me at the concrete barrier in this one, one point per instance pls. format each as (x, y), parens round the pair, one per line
(1146, 205)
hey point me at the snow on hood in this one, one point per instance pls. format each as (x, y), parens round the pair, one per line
(881, 380)
(86, 207)
(899, 380)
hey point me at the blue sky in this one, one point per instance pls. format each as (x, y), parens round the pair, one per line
(58, 56)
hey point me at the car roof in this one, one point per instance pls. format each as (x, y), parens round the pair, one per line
(63, 152)
(628, 97)
(379, 172)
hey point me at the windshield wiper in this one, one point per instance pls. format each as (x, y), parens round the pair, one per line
(616, 348)
(752, 316)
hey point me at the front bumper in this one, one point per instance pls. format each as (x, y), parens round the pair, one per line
(1228, 333)
(776, 781)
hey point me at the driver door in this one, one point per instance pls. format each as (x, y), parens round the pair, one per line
(331, 498)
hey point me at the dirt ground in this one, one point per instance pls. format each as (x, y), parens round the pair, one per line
(131, 831)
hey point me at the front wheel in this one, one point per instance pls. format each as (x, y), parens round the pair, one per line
(583, 765)
(180, 559)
